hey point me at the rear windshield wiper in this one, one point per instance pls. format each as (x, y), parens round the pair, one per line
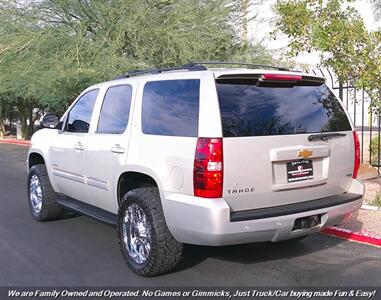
(324, 136)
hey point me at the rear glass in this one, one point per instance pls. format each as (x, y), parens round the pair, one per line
(249, 110)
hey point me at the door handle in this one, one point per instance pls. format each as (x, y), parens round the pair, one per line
(117, 149)
(79, 146)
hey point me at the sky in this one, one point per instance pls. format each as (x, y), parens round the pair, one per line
(259, 31)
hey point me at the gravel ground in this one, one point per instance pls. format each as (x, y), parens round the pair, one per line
(367, 221)
(372, 189)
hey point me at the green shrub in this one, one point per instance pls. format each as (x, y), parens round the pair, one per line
(374, 150)
(377, 200)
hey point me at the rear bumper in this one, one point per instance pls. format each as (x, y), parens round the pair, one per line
(199, 221)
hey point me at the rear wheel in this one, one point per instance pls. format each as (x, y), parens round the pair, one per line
(41, 197)
(146, 243)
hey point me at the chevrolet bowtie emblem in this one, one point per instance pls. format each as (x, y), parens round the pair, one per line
(304, 153)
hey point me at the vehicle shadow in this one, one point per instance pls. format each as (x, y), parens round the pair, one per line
(256, 252)
(69, 214)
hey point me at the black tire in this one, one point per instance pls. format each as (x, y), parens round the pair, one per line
(165, 251)
(50, 208)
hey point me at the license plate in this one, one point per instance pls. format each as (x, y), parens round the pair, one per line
(300, 170)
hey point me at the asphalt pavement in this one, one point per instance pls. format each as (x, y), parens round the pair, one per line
(79, 251)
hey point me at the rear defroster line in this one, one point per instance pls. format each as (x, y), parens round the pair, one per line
(353, 236)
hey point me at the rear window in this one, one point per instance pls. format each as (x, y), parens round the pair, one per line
(170, 107)
(249, 110)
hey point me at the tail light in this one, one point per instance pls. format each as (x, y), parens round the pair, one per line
(281, 77)
(357, 154)
(208, 168)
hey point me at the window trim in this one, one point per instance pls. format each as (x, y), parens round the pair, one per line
(64, 128)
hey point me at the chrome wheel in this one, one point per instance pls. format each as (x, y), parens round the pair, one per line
(137, 234)
(35, 193)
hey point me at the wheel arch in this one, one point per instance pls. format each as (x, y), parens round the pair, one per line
(35, 158)
(130, 180)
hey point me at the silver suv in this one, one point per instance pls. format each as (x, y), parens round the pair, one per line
(198, 156)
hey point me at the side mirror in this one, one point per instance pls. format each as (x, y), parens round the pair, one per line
(50, 121)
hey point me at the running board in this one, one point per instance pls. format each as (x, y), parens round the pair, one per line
(88, 210)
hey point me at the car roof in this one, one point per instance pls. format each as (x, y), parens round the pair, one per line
(184, 74)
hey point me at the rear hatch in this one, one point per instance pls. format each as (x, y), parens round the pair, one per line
(287, 139)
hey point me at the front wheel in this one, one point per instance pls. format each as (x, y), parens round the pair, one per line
(146, 243)
(41, 197)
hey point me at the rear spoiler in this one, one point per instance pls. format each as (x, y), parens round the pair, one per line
(271, 79)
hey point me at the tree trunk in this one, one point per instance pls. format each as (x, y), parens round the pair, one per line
(23, 110)
(3, 113)
(2, 129)
(31, 121)
(23, 114)
(24, 127)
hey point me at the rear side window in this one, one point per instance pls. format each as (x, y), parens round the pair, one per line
(170, 107)
(115, 110)
(250, 110)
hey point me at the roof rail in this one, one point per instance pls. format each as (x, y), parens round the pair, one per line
(189, 67)
(195, 66)
(238, 63)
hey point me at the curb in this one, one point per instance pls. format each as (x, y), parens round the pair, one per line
(370, 207)
(353, 236)
(15, 142)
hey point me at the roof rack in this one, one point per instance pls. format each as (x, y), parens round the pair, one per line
(189, 67)
(195, 66)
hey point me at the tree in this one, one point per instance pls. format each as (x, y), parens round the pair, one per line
(376, 5)
(337, 31)
(51, 50)
(5, 107)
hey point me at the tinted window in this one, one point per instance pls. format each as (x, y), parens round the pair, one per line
(171, 107)
(115, 110)
(249, 110)
(80, 114)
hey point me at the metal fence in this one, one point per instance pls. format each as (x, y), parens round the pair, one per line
(365, 117)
